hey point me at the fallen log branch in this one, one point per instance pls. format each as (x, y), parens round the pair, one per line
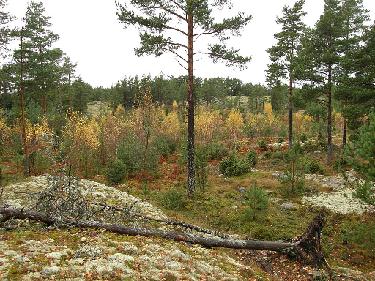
(170, 222)
(307, 248)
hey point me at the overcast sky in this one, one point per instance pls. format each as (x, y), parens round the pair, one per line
(91, 36)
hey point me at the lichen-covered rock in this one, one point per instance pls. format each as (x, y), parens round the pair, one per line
(341, 199)
(88, 251)
(50, 270)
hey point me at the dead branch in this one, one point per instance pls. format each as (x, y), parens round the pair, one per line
(167, 222)
(307, 248)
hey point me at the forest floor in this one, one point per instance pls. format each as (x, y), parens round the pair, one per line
(32, 251)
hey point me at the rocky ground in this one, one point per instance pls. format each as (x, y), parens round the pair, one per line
(340, 196)
(31, 251)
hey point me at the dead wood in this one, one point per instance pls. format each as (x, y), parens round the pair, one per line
(307, 248)
(131, 214)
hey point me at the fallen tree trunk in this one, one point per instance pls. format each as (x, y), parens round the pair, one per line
(163, 221)
(307, 248)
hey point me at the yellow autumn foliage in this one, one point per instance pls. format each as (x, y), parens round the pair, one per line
(261, 123)
(268, 110)
(175, 105)
(82, 132)
(81, 143)
(39, 133)
(235, 120)
(302, 122)
(4, 129)
(112, 130)
(170, 126)
(208, 125)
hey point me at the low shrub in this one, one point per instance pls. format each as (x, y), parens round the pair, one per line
(303, 138)
(201, 168)
(313, 167)
(174, 199)
(216, 151)
(359, 234)
(262, 144)
(340, 164)
(252, 158)
(201, 164)
(293, 184)
(366, 192)
(137, 158)
(165, 146)
(249, 131)
(234, 166)
(257, 202)
(293, 179)
(116, 171)
(279, 155)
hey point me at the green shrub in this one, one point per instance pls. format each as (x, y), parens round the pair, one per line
(252, 158)
(293, 178)
(234, 166)
(361, 154)
(136, 157)
(262, 144)
(116, 171)
(249, 131)
(201, 164)
(359, 234)
(340, 164)
(216, 151)
(257, 202)
(366, 193)
(40, 162)
(279, 155)
(268, 154)
(303, 138)
(292, 184)
(165, 146)
(313, 167)
(174, 199)
(201, 168)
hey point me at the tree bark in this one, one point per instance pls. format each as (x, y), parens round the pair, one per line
(26, 162)
(307, 248)
(290, 105)
(329, 117)
(344, 134)
(191, 107)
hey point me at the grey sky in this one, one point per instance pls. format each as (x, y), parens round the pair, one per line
(92, 36)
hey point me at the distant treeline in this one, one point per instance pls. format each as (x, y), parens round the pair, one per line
(164, 90)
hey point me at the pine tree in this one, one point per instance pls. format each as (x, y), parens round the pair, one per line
(283, 54)
(355, 17)
(5, 31)
(361, 154)
(163, 22)
(42, 62)
(319, 59)
(5, 37)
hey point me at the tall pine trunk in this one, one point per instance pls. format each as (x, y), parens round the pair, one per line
(26, 161)
(329, 117)
(191, 106)
(344, 133)
(290, 105)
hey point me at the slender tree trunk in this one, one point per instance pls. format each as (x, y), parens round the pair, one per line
(344, 134)
(26, 162)
(329, 117)
(290, 105)
(191, 106)
(44, 104)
